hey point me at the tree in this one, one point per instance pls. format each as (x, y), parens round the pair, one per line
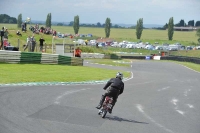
(182, 23)
(19, 21)
(10, 21)
(165, 26)
(76, 24)
(116, 26)
(191, 23)
(59, 24)
(71, 23)
(198, 34)
(139, 28)
(197, 23)
(107, 27)
(48, 20)
(4, 18)
(98, 24)
(171, 28)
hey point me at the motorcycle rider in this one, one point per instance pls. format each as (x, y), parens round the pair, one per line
(116, 87)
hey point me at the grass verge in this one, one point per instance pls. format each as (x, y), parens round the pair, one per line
(20, 73)
(193, 66)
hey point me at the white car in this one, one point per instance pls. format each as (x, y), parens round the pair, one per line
(93, 42)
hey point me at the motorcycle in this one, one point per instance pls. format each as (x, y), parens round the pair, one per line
(106, 107)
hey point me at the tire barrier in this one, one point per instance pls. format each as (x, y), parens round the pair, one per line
(182, 59)
(38, 58)
(100, 56)
(135, 57)
(112, 56)
(175, 58)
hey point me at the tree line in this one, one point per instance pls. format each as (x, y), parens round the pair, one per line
(182, 23)
(4, 18)
(108, 25)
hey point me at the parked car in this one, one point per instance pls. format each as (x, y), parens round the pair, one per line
(198, 47)
(173, 49)
(189, 48)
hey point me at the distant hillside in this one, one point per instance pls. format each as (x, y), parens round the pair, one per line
(122, 25)
(145, 25)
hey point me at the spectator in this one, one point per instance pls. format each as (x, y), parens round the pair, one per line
(77, 52)
(97, 45)
(25, 26)
(33, 43)
(5, 43)
(6, 33)
(41, 44)
(2, 36)
(18, 33)
(54, 33)
(27, 43)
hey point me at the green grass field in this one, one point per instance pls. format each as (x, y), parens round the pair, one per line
(190, 53)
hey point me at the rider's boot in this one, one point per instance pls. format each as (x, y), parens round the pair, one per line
(101, 102)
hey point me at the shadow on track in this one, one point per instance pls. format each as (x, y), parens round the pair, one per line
(116, 118)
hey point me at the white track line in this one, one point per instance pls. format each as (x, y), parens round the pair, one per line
(164, 88)
(130, 77)
(57, 101)
(190, 68)
(140, 108)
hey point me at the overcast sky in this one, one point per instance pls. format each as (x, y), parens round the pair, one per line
(93, 11)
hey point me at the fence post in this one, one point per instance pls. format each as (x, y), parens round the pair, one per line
(45, 47)
(18, 45)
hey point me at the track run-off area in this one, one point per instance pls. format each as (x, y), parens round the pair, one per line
(159, 97)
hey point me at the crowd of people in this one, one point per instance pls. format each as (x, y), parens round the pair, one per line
(4, 38)
(30, 40)
(45, 30)
(31, 43)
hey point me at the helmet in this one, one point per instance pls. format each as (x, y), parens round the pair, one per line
(119, 75)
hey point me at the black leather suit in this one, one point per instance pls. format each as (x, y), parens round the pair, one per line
(116, 87)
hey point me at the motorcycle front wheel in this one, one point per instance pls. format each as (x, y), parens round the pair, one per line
(99, 112)
(104, 112)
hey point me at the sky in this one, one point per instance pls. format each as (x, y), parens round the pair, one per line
(93, 11)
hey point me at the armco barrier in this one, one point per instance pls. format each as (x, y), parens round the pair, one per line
(10, 57)
(76, 61)
(29, 57)
(92, 55)
(64, 60)
(49, 58)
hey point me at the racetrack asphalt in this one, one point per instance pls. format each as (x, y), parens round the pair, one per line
(161, 97)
